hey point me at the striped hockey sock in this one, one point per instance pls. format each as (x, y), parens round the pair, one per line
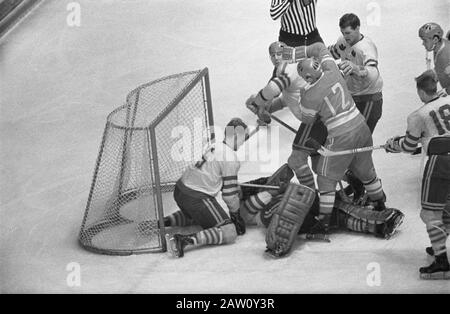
(208, 236)
(446, 215)
(354, 224)
(305, 176)
(374, 189)
(256, 203)
(327, 202)
(178, 219)
(438, 236)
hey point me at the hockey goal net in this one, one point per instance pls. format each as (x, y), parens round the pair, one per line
(147, 143)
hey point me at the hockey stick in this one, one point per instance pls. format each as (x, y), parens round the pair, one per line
(328, 153)
(287, 126)
(253, 132)
(269, 187)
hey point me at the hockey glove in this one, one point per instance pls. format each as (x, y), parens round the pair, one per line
(393, 145)
(250, 104)
(238, 222)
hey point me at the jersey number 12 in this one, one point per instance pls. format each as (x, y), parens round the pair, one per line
(337, 88)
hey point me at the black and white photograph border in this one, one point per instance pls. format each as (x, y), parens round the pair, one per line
(66, 69)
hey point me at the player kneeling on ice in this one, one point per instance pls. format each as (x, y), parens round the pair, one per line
(295, 211)
(196, 190)
(430, 125)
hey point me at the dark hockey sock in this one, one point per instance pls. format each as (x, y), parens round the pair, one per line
(177, 219)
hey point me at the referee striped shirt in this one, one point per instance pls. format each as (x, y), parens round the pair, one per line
(296, 18)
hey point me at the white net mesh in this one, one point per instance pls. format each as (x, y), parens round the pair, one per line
(147, 144)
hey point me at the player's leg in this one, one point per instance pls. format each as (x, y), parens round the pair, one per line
(371, 107)
(330, 170)
(446, 214)
(358, 218)
(298, 161)
(363, 168)
(434, 197)
(257, 200)
(206, 212)
(253, 205)
(178, 219)
(223, 234)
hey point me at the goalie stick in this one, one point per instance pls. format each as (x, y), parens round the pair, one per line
(328, 153)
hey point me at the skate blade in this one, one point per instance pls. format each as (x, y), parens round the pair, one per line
(395, 231)
(318, 237)
(442, 275)
(171, 246)
(272, 254)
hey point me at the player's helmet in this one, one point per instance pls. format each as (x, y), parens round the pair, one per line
(276, 47)
(430, 30)
(236, 125)
(309, 68)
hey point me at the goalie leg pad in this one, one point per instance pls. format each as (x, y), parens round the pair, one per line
(288, 218)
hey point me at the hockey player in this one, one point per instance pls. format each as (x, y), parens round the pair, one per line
(359, 64)
(328, 98)
(432, 39)
(196, 190)
(430, 125)
(345, 215)
(283, 90)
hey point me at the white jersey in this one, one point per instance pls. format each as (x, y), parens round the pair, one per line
(291, 94)
(430, 120)
(286, 83)
(363, 53)
(219, 163)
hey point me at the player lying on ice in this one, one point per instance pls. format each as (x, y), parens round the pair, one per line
(294, 209)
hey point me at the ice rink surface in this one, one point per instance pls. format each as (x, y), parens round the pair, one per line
(58, 83)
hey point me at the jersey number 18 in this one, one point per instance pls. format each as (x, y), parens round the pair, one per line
(444, 115)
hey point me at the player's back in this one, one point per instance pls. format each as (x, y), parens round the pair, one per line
(335, 105)
(431, 120)
(442, 64)
(206, 175)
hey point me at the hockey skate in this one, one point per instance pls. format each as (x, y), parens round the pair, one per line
(176, 244)
(439, 269)
(389, 228)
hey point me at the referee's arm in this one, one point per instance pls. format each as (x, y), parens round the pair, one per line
(278, 7)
